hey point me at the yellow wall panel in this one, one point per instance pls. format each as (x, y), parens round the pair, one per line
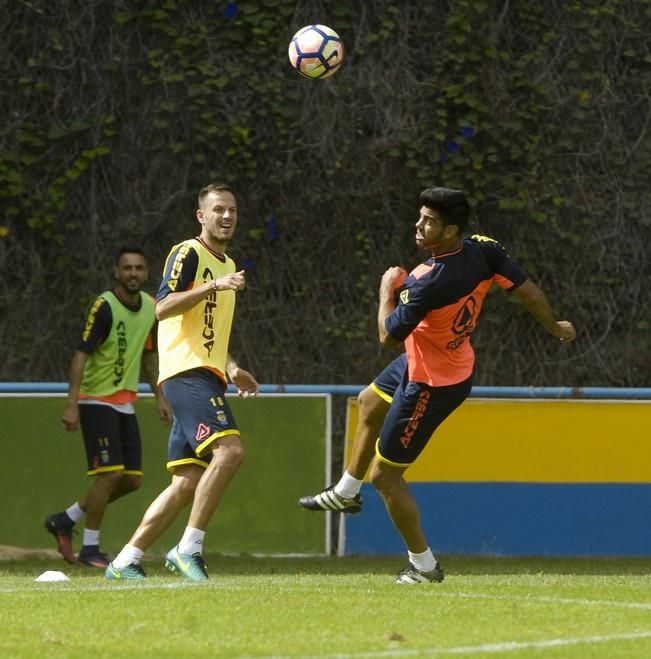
(536, 441)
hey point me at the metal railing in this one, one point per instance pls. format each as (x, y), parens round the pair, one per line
(611, 393)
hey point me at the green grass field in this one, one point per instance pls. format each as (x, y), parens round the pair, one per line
(333, 607)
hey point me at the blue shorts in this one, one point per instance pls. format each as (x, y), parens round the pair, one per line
(416, 411)
(201, 416)
(111, 438)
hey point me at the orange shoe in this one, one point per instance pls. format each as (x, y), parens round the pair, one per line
(91, 555)
(60, 526)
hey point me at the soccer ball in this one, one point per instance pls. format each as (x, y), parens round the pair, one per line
(316, 51)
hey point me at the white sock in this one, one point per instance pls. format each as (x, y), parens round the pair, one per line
(348, 486)
(75, 512)
(129, 554)
(424, 562)
(192, 541)
(91, 537)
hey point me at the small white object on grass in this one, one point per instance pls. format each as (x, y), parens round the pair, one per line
(52, 575)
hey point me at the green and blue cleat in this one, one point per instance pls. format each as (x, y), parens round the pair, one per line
(190, 566)
(132, 571)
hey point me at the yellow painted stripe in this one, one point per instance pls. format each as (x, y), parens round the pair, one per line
(536, 441)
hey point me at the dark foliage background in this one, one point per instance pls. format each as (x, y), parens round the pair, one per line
(116, 112)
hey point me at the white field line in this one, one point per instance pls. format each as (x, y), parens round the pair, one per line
(485, 648)
(149, 584)
(64, 587)
(545, 598)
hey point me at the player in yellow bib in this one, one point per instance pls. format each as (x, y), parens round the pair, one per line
(195, 305)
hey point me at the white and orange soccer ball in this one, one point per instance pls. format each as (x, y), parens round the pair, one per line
(316, 51)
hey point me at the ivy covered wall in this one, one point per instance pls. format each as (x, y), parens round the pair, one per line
(116, 112)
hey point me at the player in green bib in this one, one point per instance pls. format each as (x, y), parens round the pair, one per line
(104, 374)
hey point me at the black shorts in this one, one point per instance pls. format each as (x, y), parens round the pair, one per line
(416, 411)
(111, 438)
(201, 416)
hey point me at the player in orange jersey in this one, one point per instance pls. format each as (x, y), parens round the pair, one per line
(435, 315)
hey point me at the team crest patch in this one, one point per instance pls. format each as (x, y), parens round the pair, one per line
(202, 432)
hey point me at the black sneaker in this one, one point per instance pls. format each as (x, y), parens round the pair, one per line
(91, 555)
(330, 500)
(60, 526)
(410, 575)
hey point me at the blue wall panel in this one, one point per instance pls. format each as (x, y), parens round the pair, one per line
(514, 519)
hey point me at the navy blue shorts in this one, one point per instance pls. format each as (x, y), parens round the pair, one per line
(201, 416)
(388, 381)
(416, 411)
(111, 438)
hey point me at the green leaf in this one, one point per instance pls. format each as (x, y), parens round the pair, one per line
(122, 17)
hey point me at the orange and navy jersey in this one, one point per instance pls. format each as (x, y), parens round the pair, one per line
(440, 303)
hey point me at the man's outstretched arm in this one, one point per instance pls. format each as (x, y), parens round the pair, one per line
(538, 306)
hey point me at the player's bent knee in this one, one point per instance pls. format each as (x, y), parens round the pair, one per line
(185, 480)
(185, 488)
(371, 406)
(110, 478)
(235, 455)
(366, 399)
(385, 479)
(229, 452)
(131, 482)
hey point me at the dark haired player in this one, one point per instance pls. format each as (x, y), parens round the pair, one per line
(436, 313)
(195, 305)
(104, 373)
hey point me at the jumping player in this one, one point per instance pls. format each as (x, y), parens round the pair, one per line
(436, 313)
